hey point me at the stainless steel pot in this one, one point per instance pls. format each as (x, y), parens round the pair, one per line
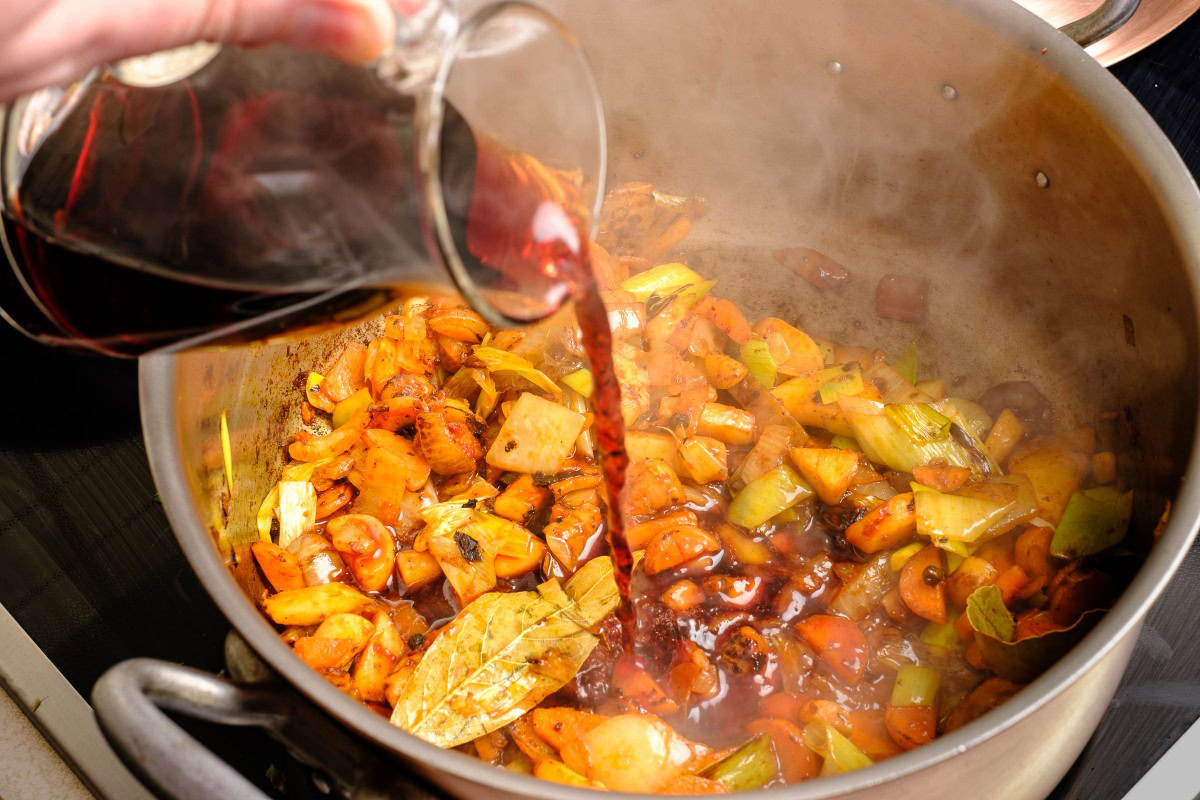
(963, 140)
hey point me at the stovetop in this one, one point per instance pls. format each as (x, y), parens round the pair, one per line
(91, 570)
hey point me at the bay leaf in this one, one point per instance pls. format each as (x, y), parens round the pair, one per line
(1024, 659)
(503, 654)
(989, 615)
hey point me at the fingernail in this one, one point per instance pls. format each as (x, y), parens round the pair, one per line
(357, 31)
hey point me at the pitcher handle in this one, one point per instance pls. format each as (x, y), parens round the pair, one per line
(130, 698)
(1106, 19)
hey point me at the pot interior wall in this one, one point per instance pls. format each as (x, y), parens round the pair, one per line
(896, 138)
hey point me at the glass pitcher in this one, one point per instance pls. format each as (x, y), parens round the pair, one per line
(219, 194)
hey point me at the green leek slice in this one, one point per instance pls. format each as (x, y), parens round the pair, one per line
(1094, 520)
(768, 495)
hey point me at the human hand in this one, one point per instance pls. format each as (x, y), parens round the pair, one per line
(51, 42)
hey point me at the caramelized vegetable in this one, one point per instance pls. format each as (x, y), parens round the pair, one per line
(923, 584)
(838, 643)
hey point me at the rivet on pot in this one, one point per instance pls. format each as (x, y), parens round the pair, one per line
(1042, 179)
(834, 67)
(949, 92)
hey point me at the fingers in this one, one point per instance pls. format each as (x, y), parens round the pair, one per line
(49, 42)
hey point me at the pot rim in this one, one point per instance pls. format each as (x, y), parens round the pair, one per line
(1167, 177)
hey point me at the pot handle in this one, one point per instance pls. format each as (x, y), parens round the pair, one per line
(1111, 14)
(129, 700)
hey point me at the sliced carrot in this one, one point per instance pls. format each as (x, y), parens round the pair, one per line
(636, 684)
(1035, 623)
(870, 734)
(520, 499)
(942, 477)
(885, 526)
(559, 726)
(998, 552)
(324, 653)
(964, 628)
(1032, 551)
(783, 705)
(923, 585)
(975, 657)
(514, 566)
(838, 643)
(1011, 582)
(527, 739)
(417, 569)
(280, 566)
(971, 574)
(682, 596)
(678, 545)
(726, 316)
(911, 726)
(723, 371)
(796, 761)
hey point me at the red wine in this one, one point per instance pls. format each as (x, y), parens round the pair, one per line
(266, 200)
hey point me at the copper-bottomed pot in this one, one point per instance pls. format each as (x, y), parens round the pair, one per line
(965, 141)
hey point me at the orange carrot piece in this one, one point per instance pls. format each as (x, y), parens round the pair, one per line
(925, 597)
(783, 705)
(640, 535)
(280, 566)
(723, 371)
(636, 684)
(796, 761)
(911, 726)
(885, 526)
(1011, 582)
(1032, 551)
(560, 726)
(678, 545)
(964, 628)
(838, 643)
(870, 734)
(682, 596)
(322, 653)
(942, 477)
(726, 316)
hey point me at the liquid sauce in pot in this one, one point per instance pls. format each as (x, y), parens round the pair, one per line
(825, 559)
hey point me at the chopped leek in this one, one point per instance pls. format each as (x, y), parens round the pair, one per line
(954, 560)
(979, 422)
(660, 280)
(885, 443)
(893, 386)
(934, 387)
(941, 635)
(313, 393)
(485, 403)
(768, 495)
(461, 384)
(226, 452)
(347, 408)
(749, 767)
(581, 381)
(919, 421)
(915, 686)
(861, 594)
(941, 515)
(845, 443)
(502, 361)
(989, 615)
(300, 471)
(837, 381)
(1023, 509)
(757, 358)
(1094, 520)
(297, 510)
(900, 557)
(840, 754)
(771, 450)
(906, 364)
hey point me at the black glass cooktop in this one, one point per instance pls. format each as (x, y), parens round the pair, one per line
(90, 569)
